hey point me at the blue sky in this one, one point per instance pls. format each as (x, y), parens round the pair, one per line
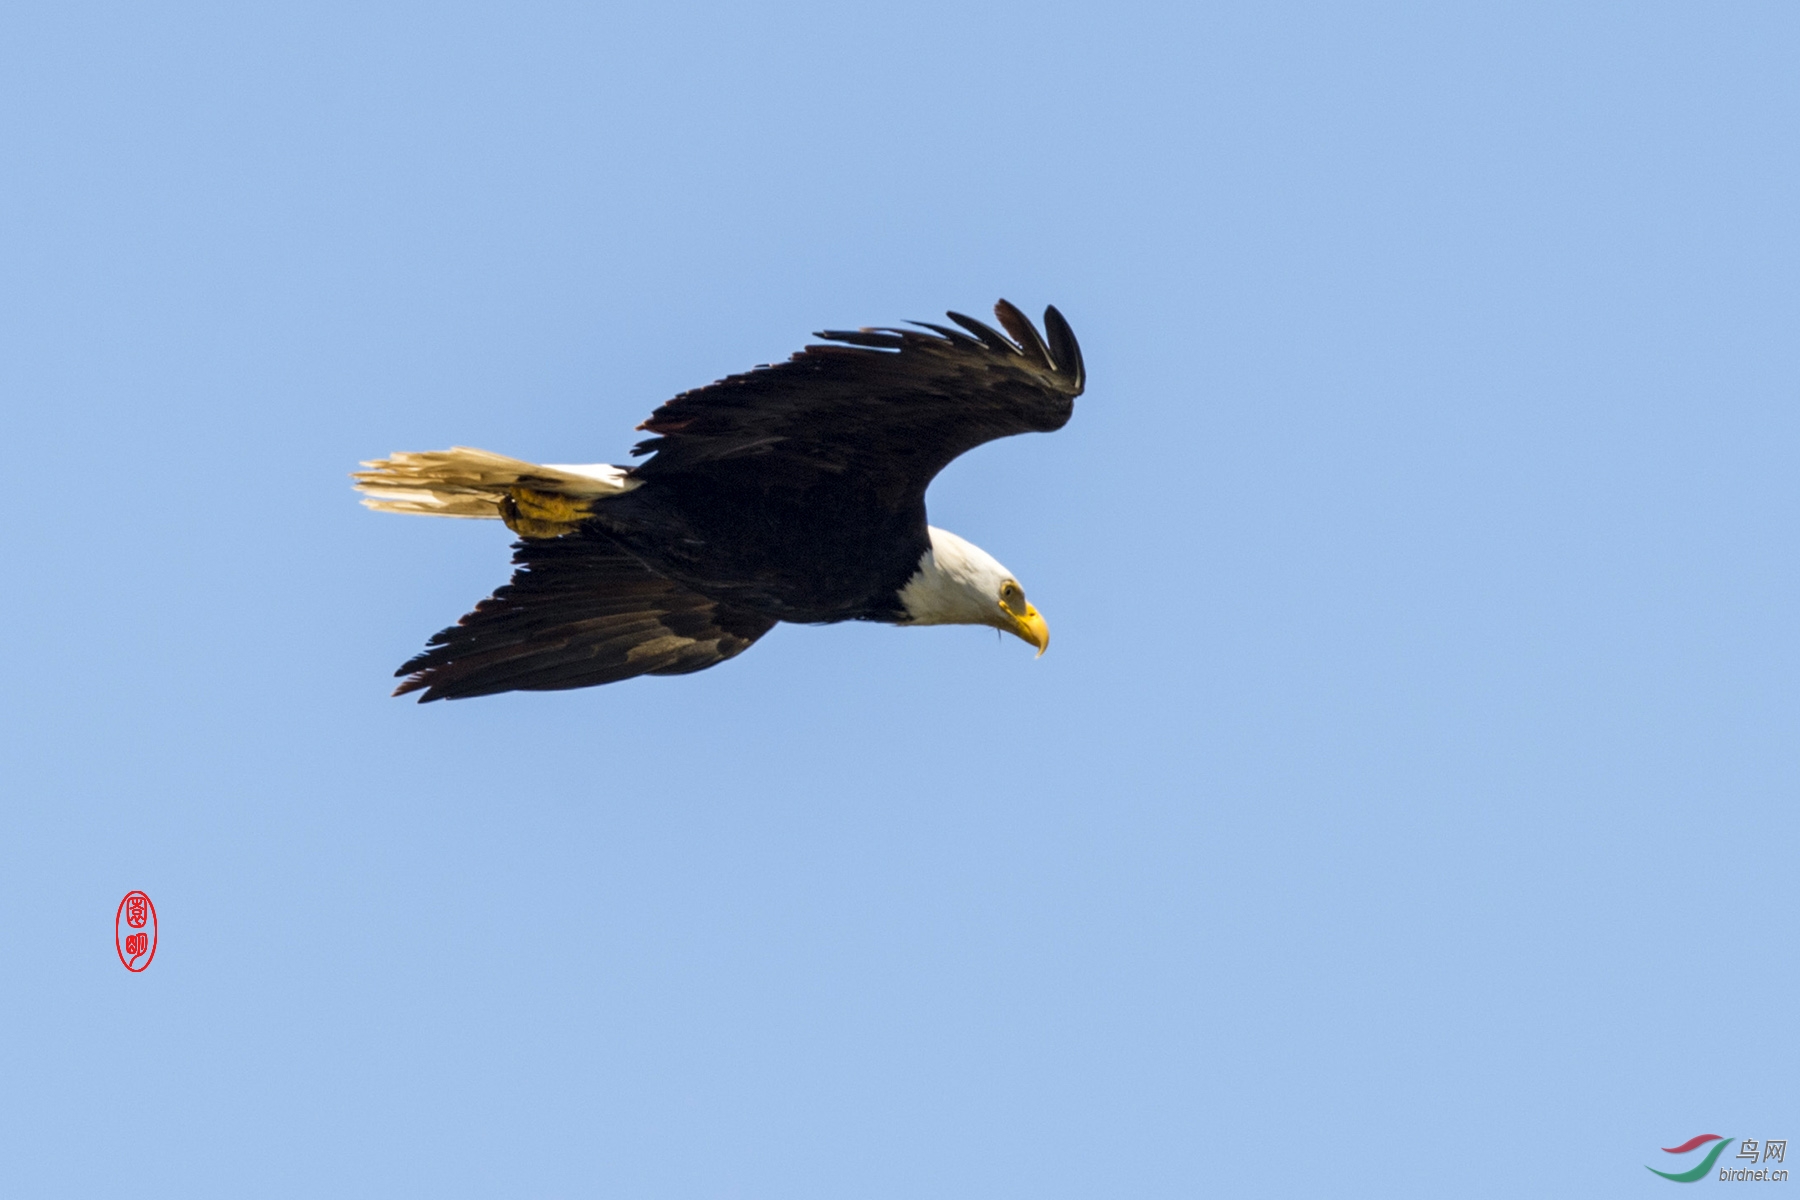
(1407, 802)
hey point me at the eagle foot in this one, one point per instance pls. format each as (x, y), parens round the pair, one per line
(534, 514)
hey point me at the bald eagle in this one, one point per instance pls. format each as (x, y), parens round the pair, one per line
(793, 492)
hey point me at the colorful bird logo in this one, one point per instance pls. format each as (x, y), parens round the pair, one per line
(1706, 1164)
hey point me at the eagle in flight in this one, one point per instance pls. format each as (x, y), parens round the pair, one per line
(793, 492)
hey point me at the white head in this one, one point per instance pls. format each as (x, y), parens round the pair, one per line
(960, 584)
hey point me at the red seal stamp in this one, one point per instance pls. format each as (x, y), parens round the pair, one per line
(134, 931)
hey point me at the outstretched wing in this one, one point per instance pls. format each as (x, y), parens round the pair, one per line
(892, 405)
(578, 612)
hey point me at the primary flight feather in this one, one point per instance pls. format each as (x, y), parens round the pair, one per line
(794, 492)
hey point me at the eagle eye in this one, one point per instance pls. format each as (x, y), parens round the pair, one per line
(1012, 596)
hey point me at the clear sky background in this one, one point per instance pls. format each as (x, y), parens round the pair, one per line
(1406, 806)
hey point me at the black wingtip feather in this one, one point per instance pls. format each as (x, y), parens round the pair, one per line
(1024, 333)
(1064, 349)
(990, 337)
(955, 336)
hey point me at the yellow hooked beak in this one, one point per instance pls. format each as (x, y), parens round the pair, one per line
(1027, 627)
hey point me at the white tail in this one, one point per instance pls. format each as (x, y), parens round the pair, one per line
(461, 482)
